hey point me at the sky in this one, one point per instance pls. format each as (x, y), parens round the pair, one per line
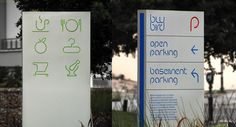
(128, 66)
(125, 65)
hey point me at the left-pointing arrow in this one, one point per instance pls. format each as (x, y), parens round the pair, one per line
(194, 49)
(195, 75)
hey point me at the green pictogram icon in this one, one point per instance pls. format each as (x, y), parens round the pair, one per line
(40, 46)
(72, 68)
(72, 48)
(41, 68)
(41, 25)
(71, 25)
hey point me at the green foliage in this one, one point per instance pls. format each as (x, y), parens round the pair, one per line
(3, 73)
(10, 77)
(124, 22)
(220, 23)
(114, 25)
(116, 96)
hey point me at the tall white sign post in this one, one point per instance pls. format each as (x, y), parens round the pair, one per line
(171, 58)
(56, 69)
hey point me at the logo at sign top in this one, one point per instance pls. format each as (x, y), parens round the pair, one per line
(194, 23)
(157, 23)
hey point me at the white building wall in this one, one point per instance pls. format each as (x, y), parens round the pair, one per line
(13, 15)
(11, 58)
(8, 18)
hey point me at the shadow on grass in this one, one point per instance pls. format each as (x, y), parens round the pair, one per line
(101, 99)
(124, 119)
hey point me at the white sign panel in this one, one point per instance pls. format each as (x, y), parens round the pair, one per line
(175, 23)
(56, 69)
(164, 49)
(171, 57)
(171, 106)
(174, 76)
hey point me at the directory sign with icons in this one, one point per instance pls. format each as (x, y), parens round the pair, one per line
(171, 58)
(56, 69)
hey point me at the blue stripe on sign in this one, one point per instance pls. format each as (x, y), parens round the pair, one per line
(141, 87)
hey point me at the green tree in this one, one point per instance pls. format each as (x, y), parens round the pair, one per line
(220, 21)
(114, 25)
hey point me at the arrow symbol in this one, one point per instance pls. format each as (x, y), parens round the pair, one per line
(194, 50)
(195, 75)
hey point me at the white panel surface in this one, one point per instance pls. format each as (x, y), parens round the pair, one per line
(56, 69)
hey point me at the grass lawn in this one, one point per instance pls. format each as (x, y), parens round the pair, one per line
(101, 99)
(219, 125)
(124, 119)
(101, 107)
(127, 119)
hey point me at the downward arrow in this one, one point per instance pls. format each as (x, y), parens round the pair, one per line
(194, 50)
(195, 75)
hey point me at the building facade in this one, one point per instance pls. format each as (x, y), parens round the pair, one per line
(10, 46)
